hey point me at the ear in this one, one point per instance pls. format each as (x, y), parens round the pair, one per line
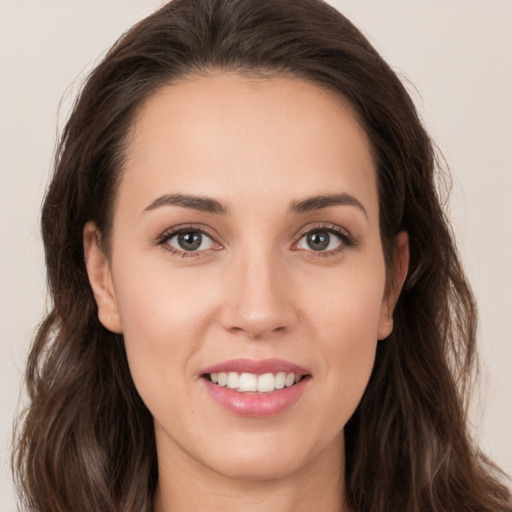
(400, 266)
(100, 278)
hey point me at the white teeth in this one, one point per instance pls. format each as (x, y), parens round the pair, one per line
(280, 378)
(290, 379)
(233, 380)
(250, 382)
(266, 383)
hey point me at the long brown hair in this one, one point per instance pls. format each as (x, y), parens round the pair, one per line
(86, 440)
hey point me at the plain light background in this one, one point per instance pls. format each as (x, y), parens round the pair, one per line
(458, 55)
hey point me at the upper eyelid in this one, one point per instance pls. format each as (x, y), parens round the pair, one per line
(326, 226)
(175, 230)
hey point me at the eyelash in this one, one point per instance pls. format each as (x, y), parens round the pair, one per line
(347, 240)
(171, 233)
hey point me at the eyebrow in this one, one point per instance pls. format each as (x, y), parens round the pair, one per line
(210, 205)
(324, 201)
(200, 203)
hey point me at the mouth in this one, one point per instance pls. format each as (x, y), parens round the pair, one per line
(251, 382)
(256, 388)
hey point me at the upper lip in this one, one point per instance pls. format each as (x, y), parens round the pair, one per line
(257, 367)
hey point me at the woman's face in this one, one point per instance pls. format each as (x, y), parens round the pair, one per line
(246, 251)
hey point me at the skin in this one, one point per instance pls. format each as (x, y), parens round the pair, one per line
(254, 289)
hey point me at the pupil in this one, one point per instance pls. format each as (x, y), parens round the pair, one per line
(189, 240)
(318, 241)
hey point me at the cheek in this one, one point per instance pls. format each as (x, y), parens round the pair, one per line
(346, 322)
(159, 306)
(349, 305)
(349, 350)
(163, 318)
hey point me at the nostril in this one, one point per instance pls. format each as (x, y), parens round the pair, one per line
(258, 332)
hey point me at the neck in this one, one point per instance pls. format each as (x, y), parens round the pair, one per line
(187, 486)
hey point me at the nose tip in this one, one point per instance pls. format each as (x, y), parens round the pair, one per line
(256, 328)
(260, 303)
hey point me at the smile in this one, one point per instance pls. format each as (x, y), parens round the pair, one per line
(250, 382)
(256, 388)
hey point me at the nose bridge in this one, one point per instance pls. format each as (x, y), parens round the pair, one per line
(259, 300)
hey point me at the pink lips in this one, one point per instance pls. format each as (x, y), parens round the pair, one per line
(257, 367)
(256, 404)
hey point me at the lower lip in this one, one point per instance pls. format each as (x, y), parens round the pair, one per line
(257, 405)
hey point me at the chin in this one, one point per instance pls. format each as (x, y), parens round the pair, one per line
(256, 469)
(262, 459)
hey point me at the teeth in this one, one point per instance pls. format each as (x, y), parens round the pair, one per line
(279, 380)
(290, 379)
(266, 383)
(223, 378)
(233, 380)
(247, 382)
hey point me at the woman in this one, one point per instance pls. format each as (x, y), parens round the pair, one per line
(257, 299)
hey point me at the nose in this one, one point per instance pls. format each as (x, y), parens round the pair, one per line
(259, 297)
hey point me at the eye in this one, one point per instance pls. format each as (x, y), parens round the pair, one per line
(187, 241)
(319, 241)
(324, 240)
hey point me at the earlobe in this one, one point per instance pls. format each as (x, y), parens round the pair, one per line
(100, 279)
(400, 263)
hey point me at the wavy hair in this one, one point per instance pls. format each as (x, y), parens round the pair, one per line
(86, 440)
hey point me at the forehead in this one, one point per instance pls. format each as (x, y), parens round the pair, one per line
(240, 138)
